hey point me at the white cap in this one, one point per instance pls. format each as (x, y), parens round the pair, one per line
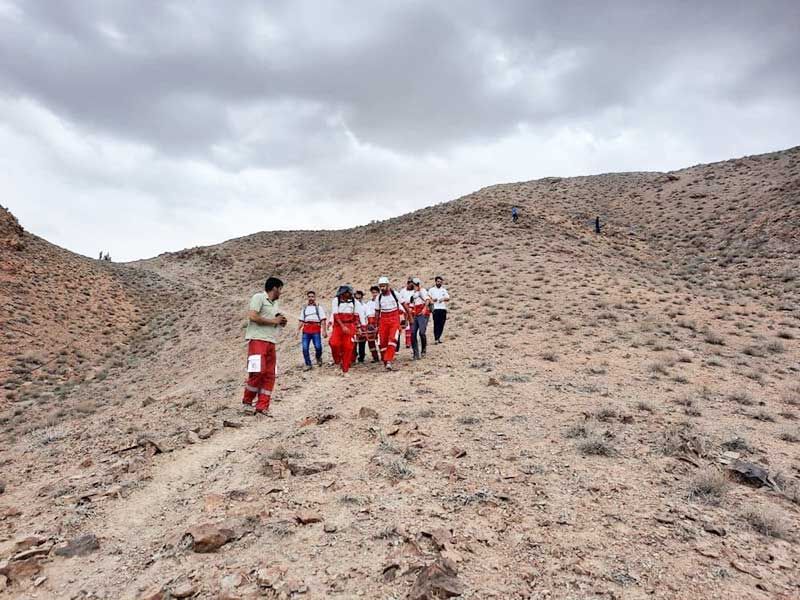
(383, 280)
(416, 281)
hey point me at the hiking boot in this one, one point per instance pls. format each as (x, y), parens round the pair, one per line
(262, 413)
(307, 368)
(389, 366)
(319, 362)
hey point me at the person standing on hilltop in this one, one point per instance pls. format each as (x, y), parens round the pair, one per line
(347, 315)
(313, 327)
(420, 311)
(514, 214)
(388, 308)
(263, 325)
(440, 298)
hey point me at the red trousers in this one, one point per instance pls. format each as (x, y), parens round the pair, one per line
(260, 383)
(388, 327)
(344, 328)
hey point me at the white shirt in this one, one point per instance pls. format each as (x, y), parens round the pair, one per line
(348, 308)
(387, 303)
(405, 295)
(439, 295)
(419, 297)
(369, 307)
(309, 314)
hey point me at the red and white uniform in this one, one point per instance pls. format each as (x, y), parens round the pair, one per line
(346, 317)
(388, 310)
(419, 302)
(312, 317)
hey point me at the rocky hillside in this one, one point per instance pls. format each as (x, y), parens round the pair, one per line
(610, 416)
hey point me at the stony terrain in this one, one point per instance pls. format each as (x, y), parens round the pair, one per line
(610, 416)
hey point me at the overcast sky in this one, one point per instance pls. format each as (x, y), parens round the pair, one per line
(145, 126)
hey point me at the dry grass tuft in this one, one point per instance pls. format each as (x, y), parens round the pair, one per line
(768, 522)
(595, 445)
(709, 487)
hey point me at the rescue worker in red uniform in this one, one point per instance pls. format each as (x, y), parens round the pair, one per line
(388, 308)
(263, 325)
(347, 317)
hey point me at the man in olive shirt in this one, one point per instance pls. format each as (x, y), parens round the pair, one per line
(263, 325)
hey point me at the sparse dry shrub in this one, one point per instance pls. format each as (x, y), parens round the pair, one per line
(768, 521)
(736, 444)
(595, 445)
(763, 415)
(708, 486)
(683, 438)
(741, 397)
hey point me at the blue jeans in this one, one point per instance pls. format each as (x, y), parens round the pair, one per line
(419, 326)
(307, 339)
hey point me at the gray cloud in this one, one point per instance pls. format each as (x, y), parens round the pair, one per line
(173, 100)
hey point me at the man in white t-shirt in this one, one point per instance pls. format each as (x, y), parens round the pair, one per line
(313, 327)
(440, 299)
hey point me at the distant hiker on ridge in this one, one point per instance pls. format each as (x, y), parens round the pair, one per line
(263, 325)
(514, 214)
(440, 298)
(314, 328)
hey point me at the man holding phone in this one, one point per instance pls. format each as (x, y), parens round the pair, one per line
(263, 325)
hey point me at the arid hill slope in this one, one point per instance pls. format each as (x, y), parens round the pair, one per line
(570, 439)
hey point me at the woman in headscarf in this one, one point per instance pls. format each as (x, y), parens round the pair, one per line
(347, 315)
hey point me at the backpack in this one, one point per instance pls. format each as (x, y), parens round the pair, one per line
(316, 306)
(378, 303)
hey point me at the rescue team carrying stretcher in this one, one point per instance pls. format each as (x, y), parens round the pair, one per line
(353, 323)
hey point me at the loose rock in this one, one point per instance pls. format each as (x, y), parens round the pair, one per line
(306, 518)
(207, 537)
(20, 570)
(303, 469)
(437, 580)
(367, 413)
(184, 589)
(270, 576)
(79, 546)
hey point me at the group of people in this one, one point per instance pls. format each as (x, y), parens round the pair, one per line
(354, 324)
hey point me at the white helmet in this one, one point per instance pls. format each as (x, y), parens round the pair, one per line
(383, 280)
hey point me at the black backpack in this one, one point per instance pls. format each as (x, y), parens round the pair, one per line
(378, 308)
(316, 306)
